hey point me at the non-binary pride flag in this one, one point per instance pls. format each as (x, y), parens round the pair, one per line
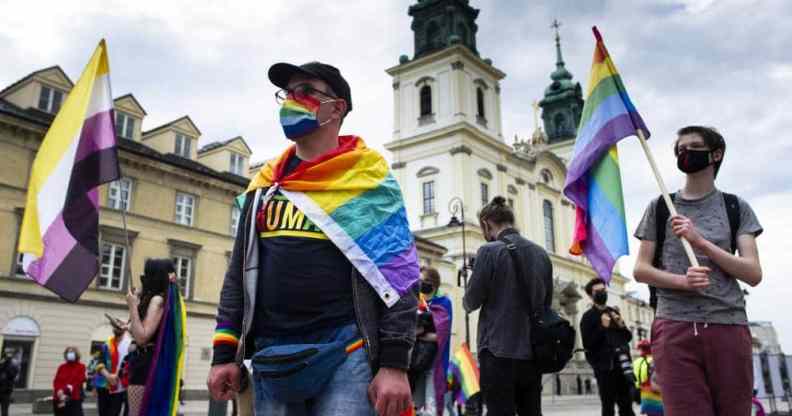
(593, 181)
(59, 236)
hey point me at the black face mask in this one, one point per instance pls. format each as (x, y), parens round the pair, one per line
(601, 298)
(692, 161)
(426, 288)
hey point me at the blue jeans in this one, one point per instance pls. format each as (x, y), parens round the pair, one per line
(345, 394)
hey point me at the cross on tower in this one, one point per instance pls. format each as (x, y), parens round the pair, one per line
(556, 25)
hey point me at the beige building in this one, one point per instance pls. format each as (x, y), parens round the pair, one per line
(178, 198)
(178, 201)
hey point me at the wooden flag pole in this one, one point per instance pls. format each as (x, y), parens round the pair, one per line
(670, 204)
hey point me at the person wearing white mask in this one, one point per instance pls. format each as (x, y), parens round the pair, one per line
(68, 385)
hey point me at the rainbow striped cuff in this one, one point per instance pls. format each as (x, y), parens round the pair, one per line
(226, 334)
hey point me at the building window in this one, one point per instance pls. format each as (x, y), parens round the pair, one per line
(19, 270)
(484, 194)
(426, 101)
(235, 214)
(549, 226)
(480, 102)
(111, 271)
(182, 145)
(183, 266)
(547, 177)
(237, 164)
(119, 194)
(185, 209)
(511, 203)
(124, 125)
(50, 100)
(428, 198)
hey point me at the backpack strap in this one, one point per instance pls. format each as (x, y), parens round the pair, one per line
(661, 218)
(512, 249)
(733, 212)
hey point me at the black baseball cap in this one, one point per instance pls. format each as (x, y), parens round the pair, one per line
(282, 72)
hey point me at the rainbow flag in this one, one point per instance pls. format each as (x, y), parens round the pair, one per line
(161, 397)
(59, 234)
(464, 371)
(352, 197)
(593, 180)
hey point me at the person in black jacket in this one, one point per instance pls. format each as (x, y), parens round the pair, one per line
(8, 375)
(510, 379)
(606, 341)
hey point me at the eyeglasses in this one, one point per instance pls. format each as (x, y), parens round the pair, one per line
(301, 91)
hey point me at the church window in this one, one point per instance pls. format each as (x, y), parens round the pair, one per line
(480, 102)
(547, 177)
(549, 226)
(428, 198)
(426, 100)
(484, 194)
(560, 123)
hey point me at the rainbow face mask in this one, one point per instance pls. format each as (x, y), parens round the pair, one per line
(300, 117)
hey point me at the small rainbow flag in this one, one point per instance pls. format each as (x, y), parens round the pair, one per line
(593, 181)
(60, 229)
(353, 198)
(161, 397)
(463, 370)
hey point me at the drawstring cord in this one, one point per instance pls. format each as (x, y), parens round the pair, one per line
(695, 328)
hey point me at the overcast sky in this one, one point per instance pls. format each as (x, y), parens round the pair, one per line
(725, 64)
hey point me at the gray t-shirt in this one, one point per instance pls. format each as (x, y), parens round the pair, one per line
(722, 302)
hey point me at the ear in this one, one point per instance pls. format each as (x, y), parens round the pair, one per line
(717, 155)
(339, 108)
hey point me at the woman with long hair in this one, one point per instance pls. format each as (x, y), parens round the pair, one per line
(156, 322)
(67, 387)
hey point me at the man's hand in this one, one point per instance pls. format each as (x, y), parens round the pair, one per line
(606, 320)
(697, 278)
(618, 320)
(390, 392)
(112, 379)
(223, 381)
(683, 227)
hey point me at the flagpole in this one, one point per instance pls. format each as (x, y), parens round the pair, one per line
(128, 265)
(669, 203)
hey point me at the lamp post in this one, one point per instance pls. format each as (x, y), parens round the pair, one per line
(457, 206)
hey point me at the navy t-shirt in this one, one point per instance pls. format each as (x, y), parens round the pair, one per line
(305, 281)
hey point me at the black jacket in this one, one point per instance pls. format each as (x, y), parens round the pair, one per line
(504, 325)
(8, 373)
(600, 342)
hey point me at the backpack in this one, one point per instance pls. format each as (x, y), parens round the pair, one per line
(661, 217)
(552, 337)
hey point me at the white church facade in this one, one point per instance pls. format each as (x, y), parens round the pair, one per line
(448, 146)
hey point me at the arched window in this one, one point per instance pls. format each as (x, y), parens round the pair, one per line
(463, 33)
(549, 226)
(432, 33)
(426, 100)
(560, 123)
(547, 177)
(480, 102)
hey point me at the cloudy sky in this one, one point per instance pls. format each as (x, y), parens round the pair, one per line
(722, 63)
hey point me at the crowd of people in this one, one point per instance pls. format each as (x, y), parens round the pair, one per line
(118, 371)
(297, 292)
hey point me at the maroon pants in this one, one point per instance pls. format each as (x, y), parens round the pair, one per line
(703, 369)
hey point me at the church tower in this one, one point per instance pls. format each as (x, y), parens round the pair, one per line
(562, 106)
(447, 117)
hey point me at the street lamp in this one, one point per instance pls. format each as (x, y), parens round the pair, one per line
(457, 206)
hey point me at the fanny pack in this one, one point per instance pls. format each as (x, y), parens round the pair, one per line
(297, 372)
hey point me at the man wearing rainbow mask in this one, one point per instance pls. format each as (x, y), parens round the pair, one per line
(321, 290)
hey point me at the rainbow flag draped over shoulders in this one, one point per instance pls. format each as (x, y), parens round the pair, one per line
(464, 372)
(353, 198)
(593, 180)
(161, 397)
(60, 229)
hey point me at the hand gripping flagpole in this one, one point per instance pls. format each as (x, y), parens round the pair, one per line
(669, 203)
